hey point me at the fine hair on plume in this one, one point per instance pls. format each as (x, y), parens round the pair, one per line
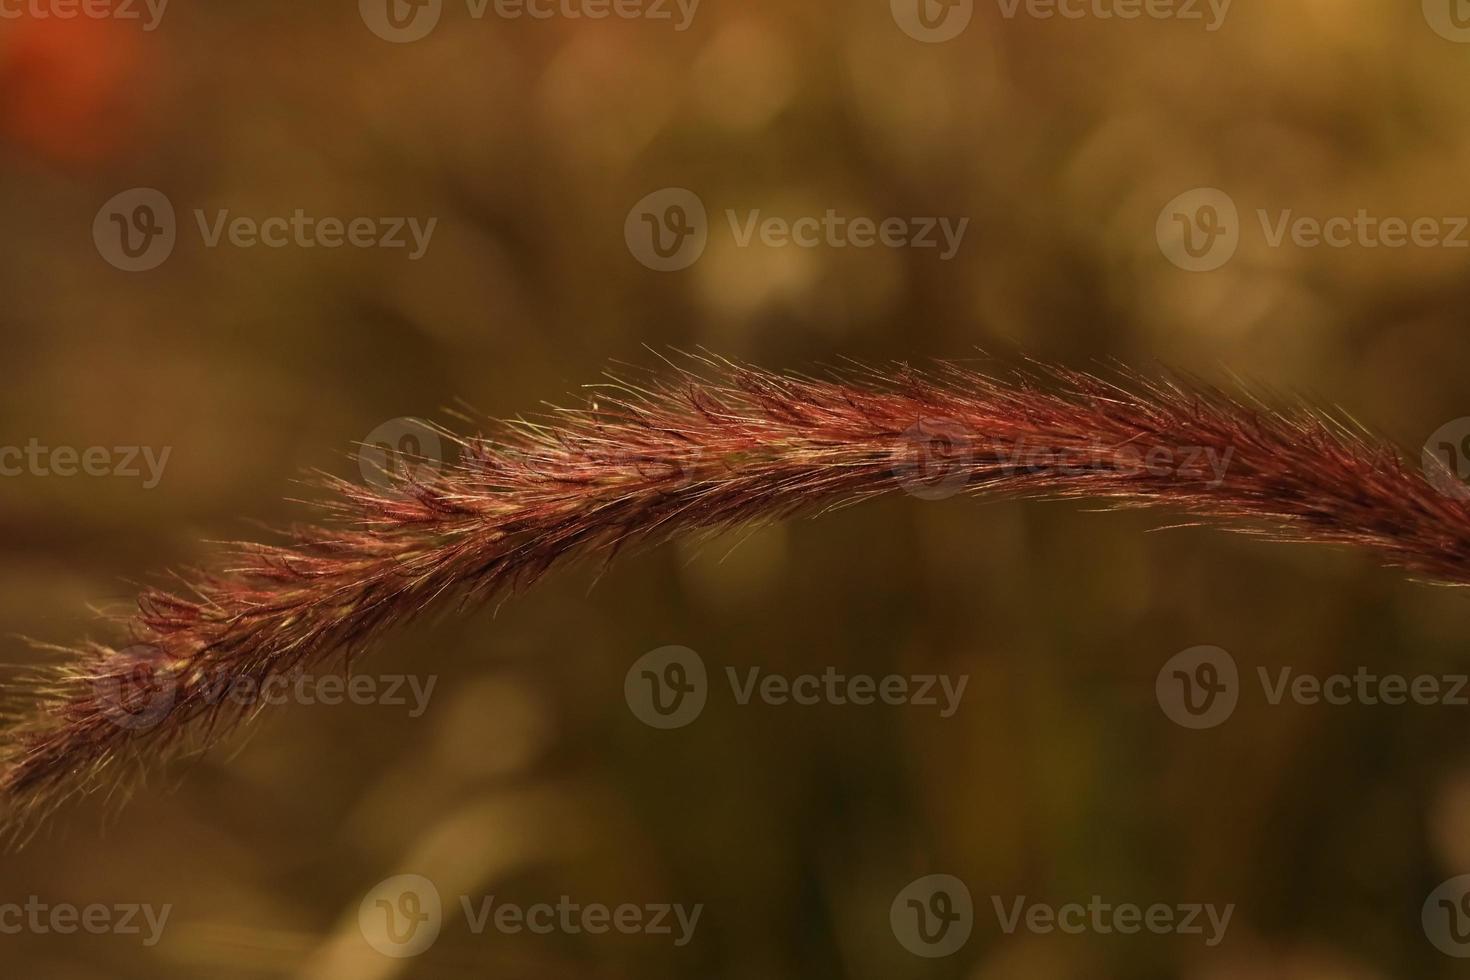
(703, 445)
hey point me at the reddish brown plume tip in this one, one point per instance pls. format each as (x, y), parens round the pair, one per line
(707, 445)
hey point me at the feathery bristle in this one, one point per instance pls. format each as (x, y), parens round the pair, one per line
(705, 449)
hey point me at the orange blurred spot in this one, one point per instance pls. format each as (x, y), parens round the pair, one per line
(69, 89)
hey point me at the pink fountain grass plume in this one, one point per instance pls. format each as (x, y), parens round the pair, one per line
(710, 446)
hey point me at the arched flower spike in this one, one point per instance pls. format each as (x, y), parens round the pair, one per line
(707, 446)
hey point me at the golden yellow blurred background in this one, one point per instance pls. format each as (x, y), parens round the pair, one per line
(529, 143)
